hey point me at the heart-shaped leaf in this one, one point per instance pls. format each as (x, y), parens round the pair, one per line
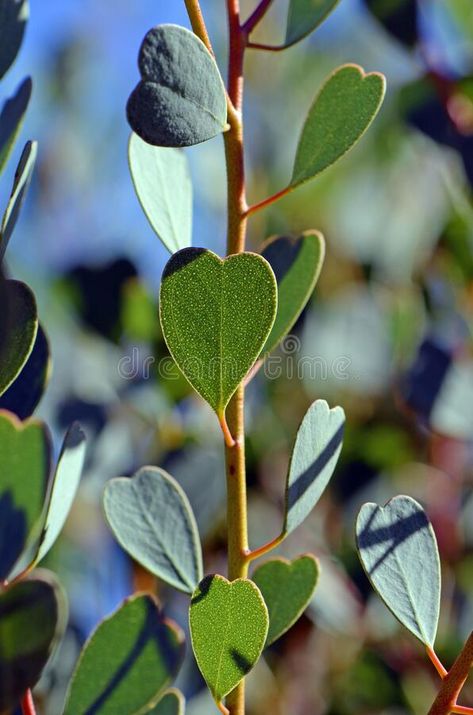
(341, 113)
(25, 393)
(399, 553)
(172, 703)
(181, 98)
(11, 119)
(296, 263)
(216, 316)
(314, 457)
(18, 330)
(287, 588)
(24, 472)
(32, 619)
(14, 15)
(163, 185)
(152, 520)
(304, 16)
(130, 658)
(21, 183)
(229, 625)
(62, 489)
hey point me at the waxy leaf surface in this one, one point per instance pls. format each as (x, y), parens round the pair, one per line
(287, 588)
(229, 625)
(314, 457)
(163, 185)
(14, 15)
(152, 520)
(11, 118)
(296, 263)
(399, 553)
(62, 490)
(304, 16)
(172, 703)
(18, 330)
(24, 472)
(21, 183)
(181, 98)
(216, 316)
(32, 619)
(25, 393)
(130, 658)
(341, 113)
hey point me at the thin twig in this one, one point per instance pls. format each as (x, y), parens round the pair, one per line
(265, 549)
(256, 16)
(267, 202)
(446, 700)
(27, 704)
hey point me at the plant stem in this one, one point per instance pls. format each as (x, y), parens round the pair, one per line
(265, 549)
(446, 701)
(198, 22)
(27, 704)
(257, 16)
(438, 665)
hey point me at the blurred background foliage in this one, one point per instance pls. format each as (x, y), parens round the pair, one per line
(387, 335)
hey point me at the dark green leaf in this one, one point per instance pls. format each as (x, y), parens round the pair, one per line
(399, 553)
(172, 703)
(130, 658)
(163, 185)
(14, 15)
(152, 519)
(18, 330)
(296, 263)
(32, 618)
(229, 625)
(314, 457)
(24, 472)
(181, 98)
(304, 16)
(341, 113)
(11, 119)
(21, 183)
(287, 588)
(25, 393)
(216, 316)
(62, 489)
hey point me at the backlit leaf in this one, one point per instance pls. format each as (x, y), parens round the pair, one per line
(11, 119)
(21, 183)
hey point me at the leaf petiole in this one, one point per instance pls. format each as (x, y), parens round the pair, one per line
(265, 549)
(267, 202)
(256, 17)
(438, 665)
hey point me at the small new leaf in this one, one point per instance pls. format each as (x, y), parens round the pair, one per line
(163, 185)
(32, 619)
(314, 457)
(287, 588)
(399, 553)
(341, 113)
(152, 520)
(21, 183)
(229, 626)
(127, 662)
(305, 16)
(216, 316)
(296, 263)
(11, 119)
(181, 98)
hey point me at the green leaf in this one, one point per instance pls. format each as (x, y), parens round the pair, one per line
(172, 703)
(130, 658)
(341, 113)
(25, 393)
(296, 263)
(11, 119)
(62, 489)
(287, 588)
(18, 330)
(24, 472)
(181, 98)
(152, 520)
(163, 185)
(21, 183)
(399, 553)
(314, 457)
(32, 619)
(14, 15)
(229, 625)
(304, 16)
(216, 316)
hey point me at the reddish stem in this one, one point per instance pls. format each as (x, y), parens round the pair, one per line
(446, 700)
(257, 16)
(27, 704)
(438, 665)
(267, 202)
